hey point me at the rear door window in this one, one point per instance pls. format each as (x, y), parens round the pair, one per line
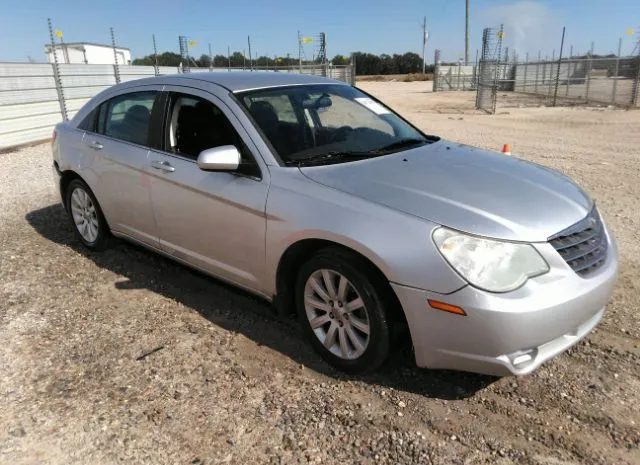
(127, 117)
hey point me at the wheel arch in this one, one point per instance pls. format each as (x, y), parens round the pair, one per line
(297, 253)
(66, 177)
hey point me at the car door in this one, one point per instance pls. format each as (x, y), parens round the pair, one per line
(119, 139)
(212, 220)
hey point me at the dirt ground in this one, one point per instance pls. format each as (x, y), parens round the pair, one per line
(126, 357)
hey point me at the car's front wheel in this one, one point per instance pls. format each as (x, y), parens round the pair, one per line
(85, 214)
(342, 312)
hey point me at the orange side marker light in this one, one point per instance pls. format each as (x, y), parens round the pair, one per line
(446, 307)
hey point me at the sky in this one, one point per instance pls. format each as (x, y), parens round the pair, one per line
(375, 26)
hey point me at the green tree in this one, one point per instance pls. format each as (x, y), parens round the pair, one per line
(220, 61)
(164, 59)
(339, 60)
(204, 61)
(366, 63)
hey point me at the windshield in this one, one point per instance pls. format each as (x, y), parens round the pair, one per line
(319, 124)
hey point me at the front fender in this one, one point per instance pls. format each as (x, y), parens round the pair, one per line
(398, 244)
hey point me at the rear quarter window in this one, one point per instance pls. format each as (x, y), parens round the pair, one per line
(89, 121)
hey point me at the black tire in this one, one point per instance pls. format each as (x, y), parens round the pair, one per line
(366, 283)
(103, 238)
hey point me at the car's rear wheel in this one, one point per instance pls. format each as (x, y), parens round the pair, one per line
(342, 312)
(86, 216)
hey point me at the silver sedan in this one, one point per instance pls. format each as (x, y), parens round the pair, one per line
(321, 199)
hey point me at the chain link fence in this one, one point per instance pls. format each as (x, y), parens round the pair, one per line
(589, 79)
(611, 80)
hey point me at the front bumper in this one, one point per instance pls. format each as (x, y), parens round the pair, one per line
(511, 333)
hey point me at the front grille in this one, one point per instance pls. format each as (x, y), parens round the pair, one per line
(583, 245)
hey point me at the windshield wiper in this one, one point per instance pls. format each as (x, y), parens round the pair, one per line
(402, 143)
(339, 155)
(333, 156)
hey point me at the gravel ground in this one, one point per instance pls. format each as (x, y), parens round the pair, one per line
(125, 357)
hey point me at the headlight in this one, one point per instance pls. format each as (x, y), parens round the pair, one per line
(489, 264)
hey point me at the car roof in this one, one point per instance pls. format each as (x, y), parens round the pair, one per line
(237, 81)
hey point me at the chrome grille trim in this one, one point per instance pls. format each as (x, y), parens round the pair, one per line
(583, 245)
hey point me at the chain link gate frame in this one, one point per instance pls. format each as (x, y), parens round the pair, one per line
(489, 70)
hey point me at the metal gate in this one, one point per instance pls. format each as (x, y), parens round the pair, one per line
(489, 70)
(455, 76)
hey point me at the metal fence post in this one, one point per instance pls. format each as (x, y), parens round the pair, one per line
(155, 57)
(526, 70)
(636, 84)
(494, 90)
(550, 73)
(354, 70)
(116, 69)
(589, 66)
(566, 94)
(475, 73)
(615, 80)
(555, 92)
(56, 75)
(537, 71)
(436, 70)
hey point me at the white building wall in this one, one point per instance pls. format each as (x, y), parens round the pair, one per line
(104, 55)
(94, 55)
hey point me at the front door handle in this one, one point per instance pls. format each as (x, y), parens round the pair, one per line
(95, 145)
(162, 165)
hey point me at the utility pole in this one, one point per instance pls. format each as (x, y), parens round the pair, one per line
(210, 59)
(466, 33)
(424, 44)
(249, 44)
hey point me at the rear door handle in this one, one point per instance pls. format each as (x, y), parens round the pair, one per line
(95, 145)
(162, 165)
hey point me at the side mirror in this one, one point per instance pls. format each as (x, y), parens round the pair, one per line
(223, 158)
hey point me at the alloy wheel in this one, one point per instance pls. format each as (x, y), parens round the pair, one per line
(84, 214)
(337, 314)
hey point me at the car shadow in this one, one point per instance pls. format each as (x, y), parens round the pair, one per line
(241, 312)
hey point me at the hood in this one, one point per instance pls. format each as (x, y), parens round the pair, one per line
(464, 188)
